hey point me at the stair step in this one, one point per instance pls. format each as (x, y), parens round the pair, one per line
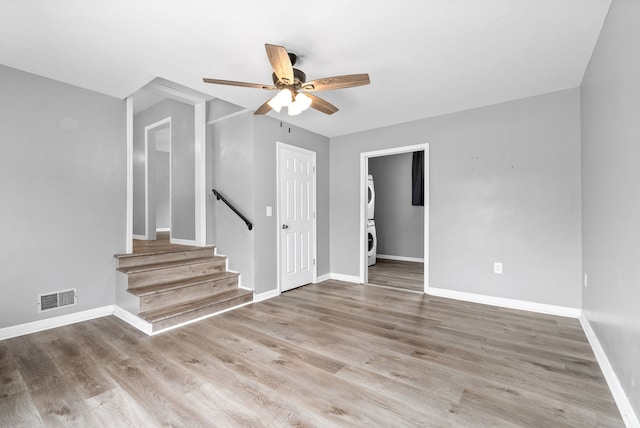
(174, 270)
(156, 296)
(192, 309)
(167, 264)
(127, 260)
(151, 289)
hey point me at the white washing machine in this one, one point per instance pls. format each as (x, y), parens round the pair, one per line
(372, 242)
(371, 198)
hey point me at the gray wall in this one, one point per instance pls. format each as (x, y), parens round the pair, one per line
(611, 202)
(232, 169)
(183, 167)
(504, 186)
(399, 225)
(216, 110)
(63, 181)
(162, 188)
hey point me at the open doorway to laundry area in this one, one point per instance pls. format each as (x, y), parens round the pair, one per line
(396, 221)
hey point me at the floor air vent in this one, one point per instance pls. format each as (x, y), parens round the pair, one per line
(58, 299)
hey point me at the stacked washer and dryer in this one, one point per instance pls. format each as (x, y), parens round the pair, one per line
(372, 239)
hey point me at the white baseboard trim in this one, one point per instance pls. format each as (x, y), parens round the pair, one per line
(506, 303)
(266, 295)
(624, 406)
(62, 320)
(324, 277)
(163, 229)
(132, 320)
(191, 242)
(400, 258)
(141, 237)
(346, 278)
(394, 288)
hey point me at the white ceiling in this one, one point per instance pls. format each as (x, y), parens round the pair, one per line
(424, 57)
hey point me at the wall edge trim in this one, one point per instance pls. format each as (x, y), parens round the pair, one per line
(400, 258)
(132, 320)
(524, 305)
(324, 277)
(622, 401)
(347, 278)
(191, 242)
(59, 321)
(259, 297)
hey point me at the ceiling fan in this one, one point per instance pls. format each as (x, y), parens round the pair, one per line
(294, 91)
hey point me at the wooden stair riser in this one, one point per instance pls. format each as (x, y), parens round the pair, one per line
(183, 294)
(165, 257)
(200, 312)
(174, 273)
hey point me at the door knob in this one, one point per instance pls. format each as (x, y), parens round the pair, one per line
(284, 226)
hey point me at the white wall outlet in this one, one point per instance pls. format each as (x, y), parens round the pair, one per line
(269, 211)
(497, 268)
(586, 280)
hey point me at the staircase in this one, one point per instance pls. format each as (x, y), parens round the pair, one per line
(177, 284)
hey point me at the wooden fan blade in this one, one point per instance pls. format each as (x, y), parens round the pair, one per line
(337, 82)
(279, 59)
(234, 83)
(264, 108)
(321, 105)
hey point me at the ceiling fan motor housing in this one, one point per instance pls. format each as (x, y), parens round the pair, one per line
(298, 79)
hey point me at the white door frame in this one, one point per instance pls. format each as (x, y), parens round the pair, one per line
(364, 173)
(200, 129)
(280, 145)
(147, 130)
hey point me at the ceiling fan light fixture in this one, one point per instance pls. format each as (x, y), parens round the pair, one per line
(294, 109)
(300, 104)
(303, 101)
(283, 99)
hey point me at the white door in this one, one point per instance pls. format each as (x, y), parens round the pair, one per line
(296, 212)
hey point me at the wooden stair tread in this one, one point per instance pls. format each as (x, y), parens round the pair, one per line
(157, 252)
(173, 285)
(160, 314)
(168, 264)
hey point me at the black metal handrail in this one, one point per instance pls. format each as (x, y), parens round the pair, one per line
(234, 209)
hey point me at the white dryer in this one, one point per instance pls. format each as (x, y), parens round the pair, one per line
(372, 242)
(371, 197)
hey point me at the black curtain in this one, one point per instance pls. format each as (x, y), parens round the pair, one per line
(417, 179)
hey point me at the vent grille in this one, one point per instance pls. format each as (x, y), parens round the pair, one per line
(57, 299)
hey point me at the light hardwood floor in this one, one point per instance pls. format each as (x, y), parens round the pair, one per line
(397, 274)
(330, 354)
(161, 244)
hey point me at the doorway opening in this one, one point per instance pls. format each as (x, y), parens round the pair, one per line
(406, 267)
(158, 173)
(188, 207)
